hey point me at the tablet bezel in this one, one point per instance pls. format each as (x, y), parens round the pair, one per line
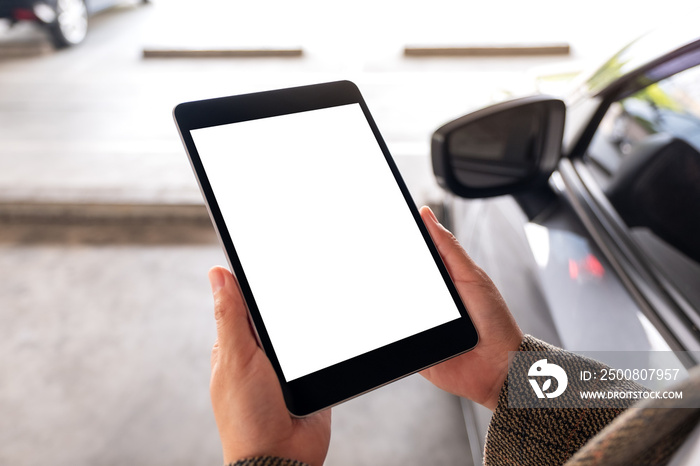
(350, 378)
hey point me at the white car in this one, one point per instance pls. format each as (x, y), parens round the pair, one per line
(584, 210)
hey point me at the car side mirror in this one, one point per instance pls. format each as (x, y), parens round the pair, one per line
(501, 149)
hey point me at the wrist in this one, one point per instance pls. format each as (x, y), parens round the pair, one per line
(491, 401)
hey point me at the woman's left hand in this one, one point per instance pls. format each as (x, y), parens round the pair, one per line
(248, 405)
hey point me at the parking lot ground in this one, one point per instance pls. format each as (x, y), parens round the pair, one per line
(93, 123)
(106, 333)
(23, 40)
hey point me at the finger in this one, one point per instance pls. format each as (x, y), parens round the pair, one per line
(458, 262)
(475, 287)
(234, 336)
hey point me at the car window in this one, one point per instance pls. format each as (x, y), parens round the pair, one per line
(646, 157)
(671, 106)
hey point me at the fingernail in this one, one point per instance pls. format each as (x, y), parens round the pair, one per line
(216, 279)
(432, 215)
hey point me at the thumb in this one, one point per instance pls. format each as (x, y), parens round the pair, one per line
(461, 267)
(234, 335)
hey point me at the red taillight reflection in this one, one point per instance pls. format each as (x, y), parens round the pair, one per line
(590, 264)
(594, 266)
(573, 269)
(22, 14)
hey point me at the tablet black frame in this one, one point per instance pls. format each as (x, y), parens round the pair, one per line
(367, 371)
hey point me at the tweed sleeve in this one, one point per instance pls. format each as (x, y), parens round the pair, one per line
(267, 461)
(546, 436)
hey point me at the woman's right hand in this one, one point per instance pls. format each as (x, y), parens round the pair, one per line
(479, 374)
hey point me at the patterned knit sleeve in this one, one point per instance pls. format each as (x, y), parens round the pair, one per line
(547, 435)
(268, 461)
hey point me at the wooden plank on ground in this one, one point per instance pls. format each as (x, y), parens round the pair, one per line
(500, 50)
(221, 53)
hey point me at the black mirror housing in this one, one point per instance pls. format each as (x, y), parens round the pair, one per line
(501, 149)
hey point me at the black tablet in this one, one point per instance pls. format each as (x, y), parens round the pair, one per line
(343, 284)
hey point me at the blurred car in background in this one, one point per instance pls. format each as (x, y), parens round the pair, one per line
(65, 20)
(584, 211)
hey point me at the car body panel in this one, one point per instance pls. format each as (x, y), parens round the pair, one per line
(533, 265)
(556, 281)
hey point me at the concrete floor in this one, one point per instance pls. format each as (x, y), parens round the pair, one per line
(106, 344)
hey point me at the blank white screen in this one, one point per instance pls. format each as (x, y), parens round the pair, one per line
(332, 254)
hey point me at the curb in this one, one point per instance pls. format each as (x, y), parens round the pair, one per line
(98, 212)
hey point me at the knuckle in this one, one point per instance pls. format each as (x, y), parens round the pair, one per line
(219, 310)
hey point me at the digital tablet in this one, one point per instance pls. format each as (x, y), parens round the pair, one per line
(344, 286)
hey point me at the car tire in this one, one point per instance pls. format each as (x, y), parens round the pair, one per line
(71, 24)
